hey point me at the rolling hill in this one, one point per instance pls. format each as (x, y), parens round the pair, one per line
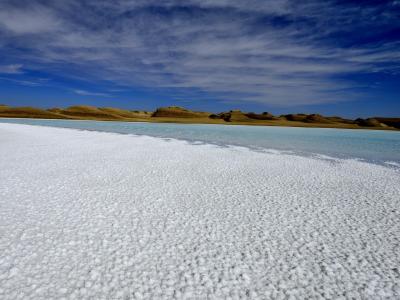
(178, 114)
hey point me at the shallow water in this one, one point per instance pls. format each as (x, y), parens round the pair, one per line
(372, 145)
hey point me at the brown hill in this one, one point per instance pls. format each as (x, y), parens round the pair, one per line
(231, 116)
(27, 112)
(178, 112)
(74, 112)
(336, 119)
(295, 117)
(393, 122)
(90, 112)
(238, 116)
(370, 122)
(54, 110)
(182, 115)
(125, 113)
(262, 116)
(315, 118)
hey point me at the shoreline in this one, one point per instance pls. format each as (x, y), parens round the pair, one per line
(274, 138)
(183, 122)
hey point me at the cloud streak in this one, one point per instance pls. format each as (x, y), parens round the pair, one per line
(272, 52)
(88, 93)
(11, 69)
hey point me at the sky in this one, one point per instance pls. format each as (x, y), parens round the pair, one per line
(282, 56)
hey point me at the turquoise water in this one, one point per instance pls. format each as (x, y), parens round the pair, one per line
(372, 145)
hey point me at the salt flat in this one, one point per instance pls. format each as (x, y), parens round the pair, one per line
(90, 215)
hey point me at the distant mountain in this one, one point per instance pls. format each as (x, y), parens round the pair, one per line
(27, 112)
(182, 115)
(394, 122)
(103, 113)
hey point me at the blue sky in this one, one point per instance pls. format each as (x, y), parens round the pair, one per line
(329, 57)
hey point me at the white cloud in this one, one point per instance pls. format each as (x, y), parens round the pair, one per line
(31, 83)
(87, 93)
(11, 69)
(29, 20)
(233, 50)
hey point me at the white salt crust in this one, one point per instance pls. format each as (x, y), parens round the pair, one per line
(89, 215)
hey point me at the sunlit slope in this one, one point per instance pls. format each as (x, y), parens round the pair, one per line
(176, 114)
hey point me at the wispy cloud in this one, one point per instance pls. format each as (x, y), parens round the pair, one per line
(27, 82)
(87, 93)
(277, 52)
(11, 69)
(30, 19)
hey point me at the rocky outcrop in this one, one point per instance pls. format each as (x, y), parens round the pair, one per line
(370, 122)
(237, 116)
(316, 118)
(295, 117)
(262, 116)
(125, 113)
(231, 116)
(178, 112)
(392, 122)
